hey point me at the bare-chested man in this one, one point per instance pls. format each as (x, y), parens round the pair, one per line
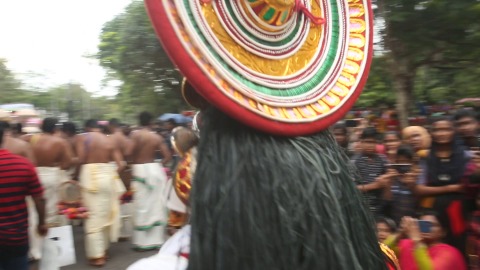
(122, 142)
(16, 146)
(52, 155)
(68, 132)
(149, 183)
(101, 190)
(124, 145)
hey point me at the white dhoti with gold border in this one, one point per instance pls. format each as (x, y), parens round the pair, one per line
(101, 191)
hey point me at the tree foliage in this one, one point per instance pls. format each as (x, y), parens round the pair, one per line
(434, 39)
(130, 50)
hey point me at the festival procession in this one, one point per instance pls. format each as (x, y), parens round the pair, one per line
(259, 134)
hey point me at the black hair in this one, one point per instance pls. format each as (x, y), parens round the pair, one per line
(145, 118)
(388, 221)
(172, 122)
(91, 123)
(395, 133)
(439, 118)
(369, 133)
(49, 124)
(114, 122)
(69, 128)
(341, 127)
(442, 218)
(256, 207)
(463, 113)
(406, 150)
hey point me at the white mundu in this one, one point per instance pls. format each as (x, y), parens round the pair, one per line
(150, 213)
(50, 178)
(101, 190)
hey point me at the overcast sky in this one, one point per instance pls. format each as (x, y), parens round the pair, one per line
(51, 38)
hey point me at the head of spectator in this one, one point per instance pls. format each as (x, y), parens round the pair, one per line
(385, 228)
(341, 135)
(466, 122)
(443, 131)
(419, 138)
(170, 124)
(113, 125)
(69, 129)
(91, 125)
(145, 119)
(432, 231)
(392, 142)
(405, 154)
(368, 141)
(126, 129)
(49, 125)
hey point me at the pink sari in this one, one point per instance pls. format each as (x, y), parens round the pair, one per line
(442, 256)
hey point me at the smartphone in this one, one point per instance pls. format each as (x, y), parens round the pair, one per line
(401, 168)
(351, 123)
(425, 226)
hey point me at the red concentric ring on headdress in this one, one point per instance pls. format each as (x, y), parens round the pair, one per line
(285, 83)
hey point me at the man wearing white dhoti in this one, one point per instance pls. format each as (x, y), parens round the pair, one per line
(150, 213)
(101, 190)
(149, 184)
(52, 154)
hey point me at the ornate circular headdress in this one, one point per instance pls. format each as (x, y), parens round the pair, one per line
(285, 67)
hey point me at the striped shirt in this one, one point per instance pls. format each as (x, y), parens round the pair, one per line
(369, 168)
(18, 179)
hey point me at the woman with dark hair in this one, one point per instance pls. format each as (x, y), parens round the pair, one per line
(392, 141)
(448, 167)
(419, 244)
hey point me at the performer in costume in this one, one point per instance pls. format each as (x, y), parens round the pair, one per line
(272, 189)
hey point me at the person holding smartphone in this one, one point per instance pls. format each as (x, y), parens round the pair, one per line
(419, 244)
(401, 198)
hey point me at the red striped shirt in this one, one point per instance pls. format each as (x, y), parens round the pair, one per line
(18, 179)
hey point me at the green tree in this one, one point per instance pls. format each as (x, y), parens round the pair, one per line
(10, 88)
(130, 49)
(427, 34)
(378, 90)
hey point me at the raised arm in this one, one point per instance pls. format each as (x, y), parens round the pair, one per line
(423, 190)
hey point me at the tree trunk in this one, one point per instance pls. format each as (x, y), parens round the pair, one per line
(403, 86)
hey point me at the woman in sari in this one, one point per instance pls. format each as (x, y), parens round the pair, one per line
(422, 249)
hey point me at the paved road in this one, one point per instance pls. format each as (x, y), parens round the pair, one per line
(121, 254)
